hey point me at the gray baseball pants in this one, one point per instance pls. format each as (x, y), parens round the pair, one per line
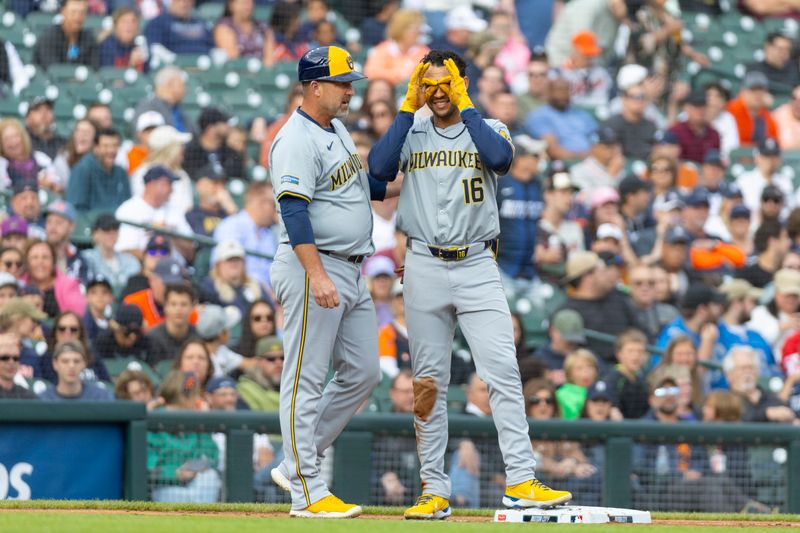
(438, 293)
(313, 417)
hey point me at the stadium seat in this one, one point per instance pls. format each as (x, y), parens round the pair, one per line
(162, 368)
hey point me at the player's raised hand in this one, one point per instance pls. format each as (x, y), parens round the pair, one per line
(415, 95)
(458, 87)
(324, 291)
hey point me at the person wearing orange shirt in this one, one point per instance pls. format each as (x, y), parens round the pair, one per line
(401, 52)
(133, 155)
(393, 346)
(750, 110)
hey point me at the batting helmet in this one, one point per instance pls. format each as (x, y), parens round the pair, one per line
(327, 63)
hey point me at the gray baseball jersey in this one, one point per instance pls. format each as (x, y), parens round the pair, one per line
(448, 196)
(323, 167)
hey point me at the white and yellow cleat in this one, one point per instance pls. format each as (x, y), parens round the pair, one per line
(428, 507)
(328, 507)
(279, 479)
(534, 493)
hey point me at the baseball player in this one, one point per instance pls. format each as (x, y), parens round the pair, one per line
(323, 195)
(448, 210)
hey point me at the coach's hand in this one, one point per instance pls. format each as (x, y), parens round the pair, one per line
(458, 87)
(415, 95)
(324, 291)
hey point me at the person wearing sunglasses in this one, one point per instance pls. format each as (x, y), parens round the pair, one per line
(259, 322)
(653, 315)
(10, 354)
(124, 337)
(68, 327)
(259, 387)
(768, 159)
(636, 132)
(102, 260)
(25, 322)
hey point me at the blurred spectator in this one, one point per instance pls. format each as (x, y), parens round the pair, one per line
(9, 287)
(379, 115)
(260, 385)
(603, 17)
(13, 76)
(717, 98)
(669, 147)
(293, 101)
(285, 26)
(121, 48)
(9, 365)
(741, 368)
(490, 83)
(566, 129)
(252, 227)
(536, 95)
(751, 112)
(152, 298)
(183, 465)
(626, 384)
(323, 34)
(602, 307)
(780, 317)
(580, 371)
(695, 135)
(771, 243)
(178, 31)
(68, 41)
(26, 207)
(604, 167)
(169, 90)
(99, 114)
(103, 261)
(590, 83)
(639, 226)
(41, 125)
(603, 206)
(653, 315)
(504, 108)
(221, 395)
(131, 156)
(19, 161)
(634, 130)
(193, 357)
(69, 327)
(380, 276)
(11, 259)
(701, 307)
(557, 237)
(228, 282)
(682, 354)
(61, 292)
(136, 386)
(59, 227)
(738, 228)
(777, 64)
(461, 24)
(209, 148)
(151, 208)
(96, 182)
(513, 53)
(214, 326)
(674, 260)
(124, 336)
(24, 322)
(519, 204)
(238, 34)
(400, 53)
(787, 121)
(398, 456)
(259, 321)
(69, 361)
(214, 202)
(772, 205)
(167, 337)
(373, 29)
(166, 149)
(766, 172)
(78, 145)
(393, 347)
(565, 335)
(98, 307)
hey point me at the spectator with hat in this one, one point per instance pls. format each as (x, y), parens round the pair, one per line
(166, 147)
(605, 165)
(675, 258)
(712, 178)
(519, 204)
(590, 83)
(695, 135)
(19, 160)
(750, 109)
(209, 147)
(221, 395)
(214, 202)
(766, 172)
(96, 182)
(152, 208)
(653, 315)
(169, 90)
(771, 244)
(564, 335)
(174, 327)
(602, 307)
(23, 320)
(125, 335)
(178, 31)
(708, 251)
(102, 261)
(228, 282)
(68, 41)
(59, 226)
(633, 75)
(14, 232)
(734, 225)
(41, 126)
(772, 204)
(379, 274)
(556, 236)
(780, 317)
(603, 206)
(640, 229)
(260, 384)
(214, 325)
(99, 298)
(152, 299)
(566, 129)
(635, 131)
(131, 156)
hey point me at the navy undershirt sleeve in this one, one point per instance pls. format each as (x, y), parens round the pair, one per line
(377, 189)
(494, 149)
(294, 212)
(384, 158)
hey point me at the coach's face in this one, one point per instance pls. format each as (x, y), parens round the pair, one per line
(334, 97)
(439, 100)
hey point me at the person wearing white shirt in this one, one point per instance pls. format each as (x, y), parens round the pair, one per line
(752, 182)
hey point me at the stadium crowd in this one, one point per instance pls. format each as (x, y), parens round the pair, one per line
(642, 205)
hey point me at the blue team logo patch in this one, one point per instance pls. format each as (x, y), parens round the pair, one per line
(290, 179)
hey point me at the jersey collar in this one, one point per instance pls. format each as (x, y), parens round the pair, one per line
(307, 116)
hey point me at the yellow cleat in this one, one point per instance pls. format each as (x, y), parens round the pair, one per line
(428, 507)
(534, 493)
(328, 507)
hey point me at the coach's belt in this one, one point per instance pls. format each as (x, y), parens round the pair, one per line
(355, 259)
(453, 253)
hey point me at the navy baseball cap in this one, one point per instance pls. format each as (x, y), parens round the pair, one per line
(327, 63)
(699, 196)
(632, 184)
(696, 98)
(740, 211)
(771, 192)
(98, 279)
(159, 172)
(605, 135)
(26, 185)
(129, 316)
(599, 390)
(667, 137)
(730, 190)
(769, 147)
(217, 383)
(677, 235)
(713, 157)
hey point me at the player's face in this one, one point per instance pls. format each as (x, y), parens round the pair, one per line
(439, 101)
(335, 97)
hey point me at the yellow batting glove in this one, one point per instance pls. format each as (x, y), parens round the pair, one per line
(458, 87)
(415, 96)
(430, 86)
